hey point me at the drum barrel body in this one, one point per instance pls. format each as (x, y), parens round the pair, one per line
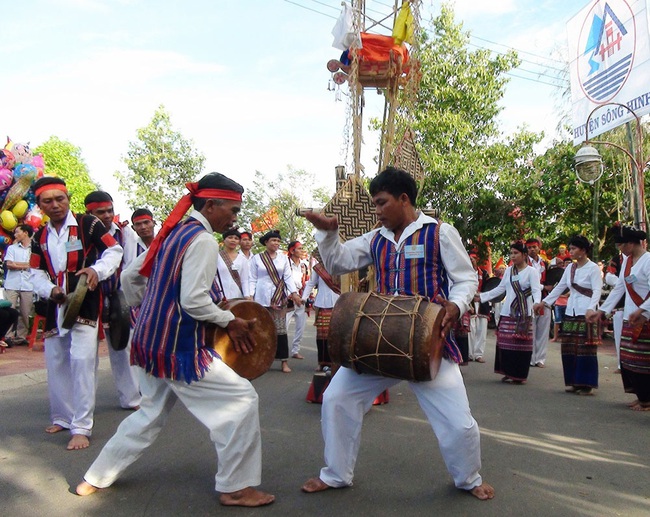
(391, 336)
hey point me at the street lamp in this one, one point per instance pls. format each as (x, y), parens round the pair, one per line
(589, 164)
(589, 168)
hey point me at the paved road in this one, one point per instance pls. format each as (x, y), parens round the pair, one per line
(547, 453)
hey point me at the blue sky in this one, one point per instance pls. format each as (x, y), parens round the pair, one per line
(244, 79)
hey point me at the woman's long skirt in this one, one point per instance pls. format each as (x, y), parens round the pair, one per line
(580, 342)
(514, 350)
(635, 360)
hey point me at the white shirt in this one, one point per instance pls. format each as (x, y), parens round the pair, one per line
(640, 278)
(261, 285)
(198, 271)
(296, 274)
(105, 266)
(129, 243)
(249, 257)
(18, 279)
(340, 258)
(586, 276)
(230, 288)
(325, 297)
(528, 277)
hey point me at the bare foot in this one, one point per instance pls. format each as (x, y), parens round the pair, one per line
(54, 428)
(632, 404)
(246, 497)
(314, 485)
(482, 492)
(85, 488)
(78, 441)
(641, 406)
(285, 367)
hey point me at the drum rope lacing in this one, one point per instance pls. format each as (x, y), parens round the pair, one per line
(371, 317)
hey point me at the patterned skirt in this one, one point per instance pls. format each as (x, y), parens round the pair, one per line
(514, 350)
(322, 323)
(279, 319)
(580, 342)
(635, 360)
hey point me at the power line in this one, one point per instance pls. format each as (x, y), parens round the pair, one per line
(523, 60)
(310, 9)
(517, 50)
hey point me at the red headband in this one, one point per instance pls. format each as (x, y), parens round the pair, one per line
(98, 204)
(177, 214)
(50, 186)
(141, 218)
(294, 246)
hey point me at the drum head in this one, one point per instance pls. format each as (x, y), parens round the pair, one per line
(74, 301)
(256, 363)
(492, 283)
(120, 321)
(553, 276)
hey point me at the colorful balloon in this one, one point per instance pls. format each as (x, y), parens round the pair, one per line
(7, 159)
(6, 179)
(8, 220)
(34, 217)
(23, 169)
(20, 209)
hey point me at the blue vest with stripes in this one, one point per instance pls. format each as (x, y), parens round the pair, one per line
(422, 273)
(167, 341)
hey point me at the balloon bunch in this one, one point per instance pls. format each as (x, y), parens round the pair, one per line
(19, 169)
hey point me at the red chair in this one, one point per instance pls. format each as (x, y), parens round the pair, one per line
(35, 326)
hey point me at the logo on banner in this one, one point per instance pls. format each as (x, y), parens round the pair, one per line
(606, 49)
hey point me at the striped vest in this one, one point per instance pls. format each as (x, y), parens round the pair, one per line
(112, 283)
(424, 275)
(168, 342)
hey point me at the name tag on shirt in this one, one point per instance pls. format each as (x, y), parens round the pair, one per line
(414, 251)
(630, 279)
(73, 246)
(515, 278)
(234, 267)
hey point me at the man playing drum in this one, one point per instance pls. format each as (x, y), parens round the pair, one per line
(169, 347)
(433, 257)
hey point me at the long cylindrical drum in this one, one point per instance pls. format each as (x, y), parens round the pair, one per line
(391, 336)
(256, 363)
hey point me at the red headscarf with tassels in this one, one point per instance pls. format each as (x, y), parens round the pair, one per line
(177, 214)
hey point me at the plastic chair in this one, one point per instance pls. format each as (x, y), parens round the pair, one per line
(35, 326)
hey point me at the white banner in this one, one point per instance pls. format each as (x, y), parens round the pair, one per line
(609, 49)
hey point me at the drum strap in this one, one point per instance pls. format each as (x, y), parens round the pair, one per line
(233, 273)
(334, 285)
(519, 306)
(279, 295)
(636, 297)
(585, 291)
(72, 262)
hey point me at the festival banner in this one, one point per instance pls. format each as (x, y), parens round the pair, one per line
(609, 52)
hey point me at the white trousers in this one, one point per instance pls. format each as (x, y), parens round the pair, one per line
(71, 363)
(617, 322)
(301, 319)
(222, 401)
(444, 402)
(541, 328)
(477, 336)
(125, 376)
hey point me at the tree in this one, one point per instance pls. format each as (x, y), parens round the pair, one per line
(159, 164)
(455, 120)
(281, 197)
(64, 160)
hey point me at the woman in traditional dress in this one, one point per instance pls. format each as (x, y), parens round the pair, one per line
(634, 281)
(328, 291)
(232, 268)
(521, 284)
(271, 283)
(579, 338)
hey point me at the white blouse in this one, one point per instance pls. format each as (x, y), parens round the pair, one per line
(528, 277)
(261, 285)
(325, 297)
(230, 288)
(586, 276)
(639, 277)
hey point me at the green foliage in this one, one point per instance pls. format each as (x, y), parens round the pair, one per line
(64, 160)
(285, 193)
(159, 164)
